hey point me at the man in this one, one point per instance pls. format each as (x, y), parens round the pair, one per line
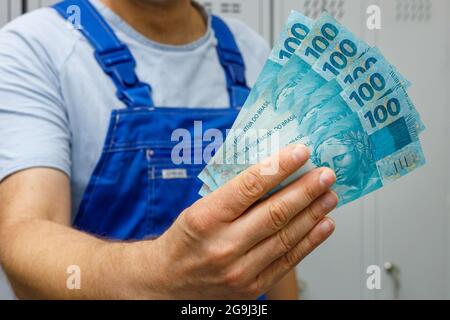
(84, 171)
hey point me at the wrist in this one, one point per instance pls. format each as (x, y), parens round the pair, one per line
(145, 270)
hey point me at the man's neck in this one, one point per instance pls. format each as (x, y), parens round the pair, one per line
(174, 22)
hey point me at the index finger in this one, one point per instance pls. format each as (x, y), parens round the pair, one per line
(239, 194)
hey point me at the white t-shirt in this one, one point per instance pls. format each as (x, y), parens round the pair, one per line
(55, 100)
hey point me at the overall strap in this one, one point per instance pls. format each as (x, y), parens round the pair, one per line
(231, 60)
(114, 57)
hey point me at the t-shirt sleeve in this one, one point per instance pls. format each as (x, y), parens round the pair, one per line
(34, 130)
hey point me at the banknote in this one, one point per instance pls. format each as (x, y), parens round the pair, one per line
(336, 59)
(368, 149)
(376, 82)
(291, 37)
(312, 67)
(323, 32)
(334, 93)
(328, 105)
(323, 35)
(205, 190)
(309, 66)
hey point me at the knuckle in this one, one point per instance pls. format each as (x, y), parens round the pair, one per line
(234, 279)
(279, 214)
(218, 255)
(252, 185)
(314, 213)
(290, 259)
(286, 242)
(301, 251)
(194, 221)
(253, 290)
(260, 285)
(283, 168)
(309, 193)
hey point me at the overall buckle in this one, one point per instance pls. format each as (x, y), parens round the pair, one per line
(120, 64)
(138, 96)
(234, 65)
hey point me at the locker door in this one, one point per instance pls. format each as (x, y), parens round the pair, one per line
(4, 12)
(337, 269)
(447, 209)
(36, 4)
(346, 11)
(255, 13)
(9, 9)
(413, 212)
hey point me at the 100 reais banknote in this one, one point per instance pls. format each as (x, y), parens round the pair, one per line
(324, 87)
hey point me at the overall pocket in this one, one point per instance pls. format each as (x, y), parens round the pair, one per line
(172, 189)
(115, 203)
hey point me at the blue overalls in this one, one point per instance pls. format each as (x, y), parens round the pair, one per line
(136, 191)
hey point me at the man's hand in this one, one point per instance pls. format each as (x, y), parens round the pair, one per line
(229, 245)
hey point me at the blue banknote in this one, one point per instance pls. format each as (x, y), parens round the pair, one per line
(330, 108)
(370, 148)
(329, 103)
(376, 82)
(346, 78)
(298, 80)
(323, 35)
(291, 37)
(282, 91)
(367, 149)
(339, 97)
(261, 113)
(205, 190)
(336, 59)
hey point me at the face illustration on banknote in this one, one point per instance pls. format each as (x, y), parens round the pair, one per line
(348, 154)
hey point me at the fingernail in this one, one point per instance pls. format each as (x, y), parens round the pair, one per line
(329, 201)
(327, 226)
(300, 154)
(327, 178)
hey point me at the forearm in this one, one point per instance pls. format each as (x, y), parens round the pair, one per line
(37, 253)
(206, 249)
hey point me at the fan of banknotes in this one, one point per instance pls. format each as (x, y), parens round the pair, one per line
(327, 89)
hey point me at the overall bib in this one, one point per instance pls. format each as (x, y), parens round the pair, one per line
(136, 191)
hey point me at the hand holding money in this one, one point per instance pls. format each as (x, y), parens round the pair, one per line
(234, 245)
